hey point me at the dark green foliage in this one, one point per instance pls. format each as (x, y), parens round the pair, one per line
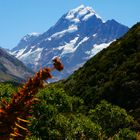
(77, 127)
(113, 74)
(6, 91)
(58, 98)
(58, 116)
(110, 117)
(54, 114)
(125, 134)
(32, 138)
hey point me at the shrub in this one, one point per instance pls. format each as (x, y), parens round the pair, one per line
(125, 134)
(110, 117)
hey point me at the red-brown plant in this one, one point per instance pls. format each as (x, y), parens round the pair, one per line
(14, 115)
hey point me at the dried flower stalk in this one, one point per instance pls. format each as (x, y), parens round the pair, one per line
(14, 115)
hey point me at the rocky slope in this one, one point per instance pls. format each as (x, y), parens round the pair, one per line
(11, 69)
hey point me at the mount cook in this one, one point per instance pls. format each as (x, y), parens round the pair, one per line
(75, 38)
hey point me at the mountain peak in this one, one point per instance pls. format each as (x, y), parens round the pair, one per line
(81, 8)
(26, 40)
(77, 36)
(29, 35)
(81, 12)
(34, 34)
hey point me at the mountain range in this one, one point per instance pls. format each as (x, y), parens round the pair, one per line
(75, 38)
(11, 69)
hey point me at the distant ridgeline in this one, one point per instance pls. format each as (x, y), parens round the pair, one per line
(11, 69)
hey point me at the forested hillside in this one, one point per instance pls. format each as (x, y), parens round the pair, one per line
(113, 75)
(58, 116)
(100, 101)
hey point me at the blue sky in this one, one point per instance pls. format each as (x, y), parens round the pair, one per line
(19, 17)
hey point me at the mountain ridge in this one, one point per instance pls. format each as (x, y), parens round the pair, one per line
(72, 38)
(11, 69)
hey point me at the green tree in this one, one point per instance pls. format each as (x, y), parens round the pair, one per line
(77, 127)
(6, 91)
(125, 134)
(53, 102)
(110, 117)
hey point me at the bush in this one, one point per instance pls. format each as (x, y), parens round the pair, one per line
(110, 117)
(6, 91)
(125, 134)
(47, 113)
(78, 127)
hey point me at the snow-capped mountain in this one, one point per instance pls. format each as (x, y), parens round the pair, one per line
(76, 37)
(25, 42)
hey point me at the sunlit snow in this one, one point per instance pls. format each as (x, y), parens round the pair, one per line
(71, 29)
(31, 56)
(68, 47)
(19, 52)
(81, 11)
(97, 48)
